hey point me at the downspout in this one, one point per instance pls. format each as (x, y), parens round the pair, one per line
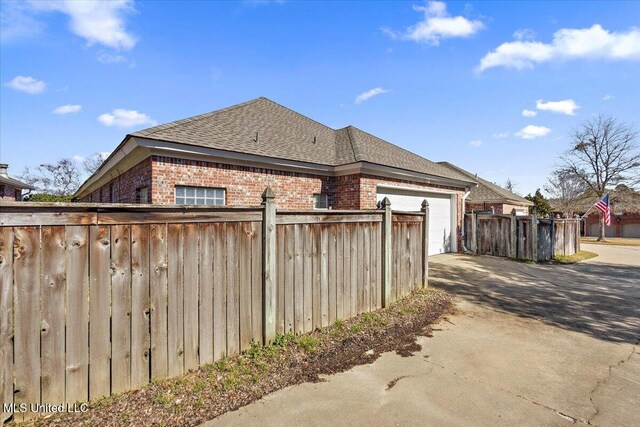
(464, 211)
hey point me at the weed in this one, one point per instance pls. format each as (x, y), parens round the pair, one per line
(198, 386)
(339, 324)
(162, 399)
(282, 340)
(355, 329)
(307, 343)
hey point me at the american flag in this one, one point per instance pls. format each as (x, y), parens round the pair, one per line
(603, 206)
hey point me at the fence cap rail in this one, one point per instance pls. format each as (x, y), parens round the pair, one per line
(115, 207)
(328, 212)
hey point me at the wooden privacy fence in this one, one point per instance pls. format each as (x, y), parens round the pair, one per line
(101, 299)
(521, 237)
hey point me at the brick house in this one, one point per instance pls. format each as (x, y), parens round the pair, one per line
(489, 196)
(10, 188)
(229, 156)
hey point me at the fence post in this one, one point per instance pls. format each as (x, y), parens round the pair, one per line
(269, 265)
(386, 252)
(474, 234)
(578, 224)
(513, 235)
(425, 243)
(534, 237)
(552, 234)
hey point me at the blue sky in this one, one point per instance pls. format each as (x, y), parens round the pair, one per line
(449, 81)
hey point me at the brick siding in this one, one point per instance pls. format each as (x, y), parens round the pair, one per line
(9, 193)
(244, 185)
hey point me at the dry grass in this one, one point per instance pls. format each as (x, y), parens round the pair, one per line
(616, 241)
(233, 382)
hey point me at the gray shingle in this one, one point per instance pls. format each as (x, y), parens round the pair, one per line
(487, 191)
(265, 128)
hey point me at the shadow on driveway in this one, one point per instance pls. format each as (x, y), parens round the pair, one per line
(602, 300)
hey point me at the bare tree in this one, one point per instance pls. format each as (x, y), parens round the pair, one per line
(60, 178)
(511, 186)
(91, 164)
(567, 190)
(604, 154)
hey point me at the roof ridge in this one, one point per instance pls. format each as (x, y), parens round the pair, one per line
(170, 125)
(298, 114)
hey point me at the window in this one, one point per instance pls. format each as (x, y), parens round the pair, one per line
(320, 201)
(142, 195)
(199, 196)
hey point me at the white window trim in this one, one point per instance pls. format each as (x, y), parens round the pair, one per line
(224, 194)
(326, 198)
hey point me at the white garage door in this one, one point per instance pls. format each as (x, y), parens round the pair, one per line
(631, 230)
(609, 230)
(442, 214)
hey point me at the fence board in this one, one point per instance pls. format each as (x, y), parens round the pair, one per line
(191, 294)
(120, 308)
(331, 263)
(99, 301)
(52, 298)
(233, 301)
(353, 276)
(244, 252)
(220, 292)
(175, 299)
(366, 268)
(340, 271)
(298, 284)
(205, 292)
(158, 298)
(346, 271)
(27, 316)
(378, 264)
(289, 254)
(256, 282)
(140, 306)
(307, 278)
(280, 261)
(360, 264)
(316, 261)
(324, 275)
(6, 319)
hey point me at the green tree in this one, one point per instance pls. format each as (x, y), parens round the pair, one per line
(541, 206)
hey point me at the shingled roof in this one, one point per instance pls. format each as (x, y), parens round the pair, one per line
(265, 128)
(487, 191)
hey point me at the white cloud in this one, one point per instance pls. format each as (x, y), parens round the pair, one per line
(607, 97)
(501, 135)
(67, 109)
(475, 143)
(533, 132)
(97, 21)
(529, 113)
(436, 25)
(79, 159)
(567, 44)
(125, 118)
(17, 21)
(567, 106)
(369, 94)
(27, 84)
(104, 154)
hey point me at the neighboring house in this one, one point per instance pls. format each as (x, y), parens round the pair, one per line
(229, 156)
(10, 188)
(625, 214)
(488, 196)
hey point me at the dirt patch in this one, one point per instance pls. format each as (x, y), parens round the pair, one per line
(234, 382)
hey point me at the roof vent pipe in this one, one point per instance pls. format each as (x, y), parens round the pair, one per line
(3, 170)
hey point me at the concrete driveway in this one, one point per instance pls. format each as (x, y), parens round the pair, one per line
(529, 345)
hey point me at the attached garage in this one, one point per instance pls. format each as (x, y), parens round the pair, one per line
(442, 214)
(609, 230)
(631, 230)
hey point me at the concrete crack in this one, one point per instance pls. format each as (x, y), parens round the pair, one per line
(542, 405)
(601, 381)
